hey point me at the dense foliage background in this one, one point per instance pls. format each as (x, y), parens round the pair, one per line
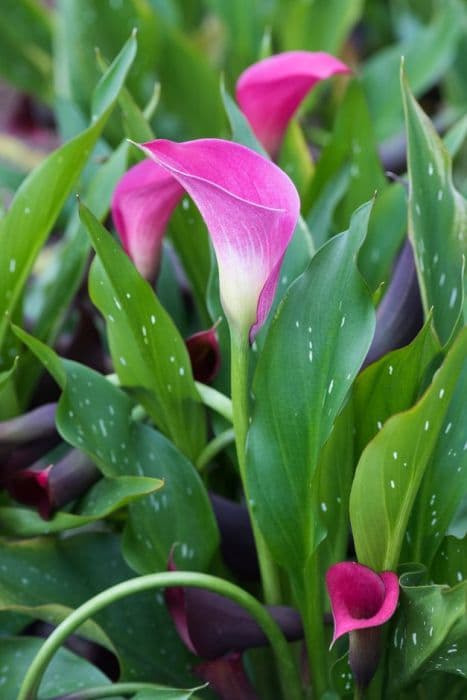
(138, 447)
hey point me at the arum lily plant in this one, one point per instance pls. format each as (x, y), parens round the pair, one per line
(235, 360)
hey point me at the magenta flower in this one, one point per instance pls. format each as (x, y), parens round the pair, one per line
(141, 206)
(250, 208)
(269, 92)
(361, 601)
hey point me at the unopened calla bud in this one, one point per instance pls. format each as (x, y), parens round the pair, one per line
(203, 349)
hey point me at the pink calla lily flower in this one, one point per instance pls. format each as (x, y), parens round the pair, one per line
(141, 207)
(269, 92)
(249, 205)
(361, 601)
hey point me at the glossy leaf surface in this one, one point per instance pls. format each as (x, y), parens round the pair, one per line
(318, 341)
(33, 211)
(392, 466)
(437, 220)
(147, 350)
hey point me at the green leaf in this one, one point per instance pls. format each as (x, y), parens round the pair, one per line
(134, 120)
(391, 385)
(450, 564)
(68, 571)
(147, 350)
(191, 241)
(444, 483)
(102, 499)
(321, 25)
(296, 160)
(26, 46)
(190, 86)
(82, 25)
(318, 340)
(320, 219)
(333, 481)
(9, 406)
(66, 673)
(161, 693)
(53, 291)
(239, 125)
(430, 634)
(352, 146)
(437, 219)
(243, 23)
(386, 232)
(458, 525)
(43, 193)
(95, 416)
(391, 468)
(428, 54)
(17, 599)
(154, 526)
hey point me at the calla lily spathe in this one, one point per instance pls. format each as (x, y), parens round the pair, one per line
(269, 92)
(361, 600)
(141, 207)
(249, 205)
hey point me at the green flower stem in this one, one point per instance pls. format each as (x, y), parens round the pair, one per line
(213, 399)
(313, 623)
(111, 691)
(240, 404)
(214, 447)
(284, 657)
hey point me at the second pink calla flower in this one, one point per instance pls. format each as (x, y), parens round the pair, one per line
(250, 208)
(361, 600)
(270, 91)
(141, 206)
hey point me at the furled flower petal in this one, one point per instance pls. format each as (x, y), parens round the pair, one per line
(227, 677)
(49, 488)
(269, 92)
(211, 625)
(360, 598)
(400, 315)
(38, 423)
(237, 541)
(250, 208)
(203, 349)
(141, 207)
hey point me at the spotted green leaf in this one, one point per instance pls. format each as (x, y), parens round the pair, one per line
(66, 673)
(95, 416)
(312, 353)
(42, 194)
(102, 499)
(68, 571)
(351, 149)
(392, 466)
(444, 483)
(450, 564)
(148, 352)
(430, 634)
(391, 385)
(437, 219)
